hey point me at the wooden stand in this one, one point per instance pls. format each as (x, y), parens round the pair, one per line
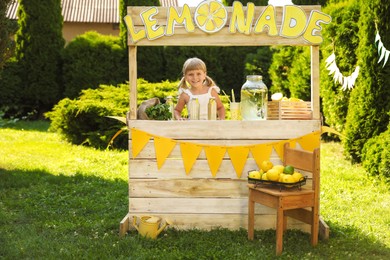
(199, 200)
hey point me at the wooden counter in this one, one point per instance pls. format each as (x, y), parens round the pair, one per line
(199, 200)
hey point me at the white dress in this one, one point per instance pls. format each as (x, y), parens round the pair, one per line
(203, 101)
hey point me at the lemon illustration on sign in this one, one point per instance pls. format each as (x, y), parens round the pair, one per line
(288, 169)
(254, 175)
(266, 165)
(273, 175)
(297, 176)
(210, 16)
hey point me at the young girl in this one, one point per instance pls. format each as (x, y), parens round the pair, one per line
(196, 83)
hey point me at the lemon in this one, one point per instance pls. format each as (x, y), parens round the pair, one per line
(279, 168)
(254, 175)
(288, 178)
(210, 16)
(288, 169)
(297, 176)
(281, 176)
(264, 177)
(266, 165)
(277, 96)
(273, 175)
(292, 99)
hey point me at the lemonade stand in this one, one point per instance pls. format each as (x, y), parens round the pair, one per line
(195, 172)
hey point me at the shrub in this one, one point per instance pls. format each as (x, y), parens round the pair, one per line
(290, 71)
(92, 59)
(280, 68)
(369, 103)
(39, 44)
(341, 33)
(376, 155)
(84, 120)
(11, 90)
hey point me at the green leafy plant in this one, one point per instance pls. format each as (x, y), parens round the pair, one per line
(159, 112)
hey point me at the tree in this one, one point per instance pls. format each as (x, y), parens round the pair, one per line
(150, 60)
(6, 30)
(369, 104)
(340, 37)
(39, 43)
(290, 68)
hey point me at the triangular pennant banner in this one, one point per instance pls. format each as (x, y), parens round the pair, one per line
(238, 156)
(163, 147)
(214, 155)
(327, 129)
(310, 142)
(189, 153)
(279, 147)
(261, 152)
(138, 140)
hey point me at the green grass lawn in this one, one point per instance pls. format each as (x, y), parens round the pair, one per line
(61, 201)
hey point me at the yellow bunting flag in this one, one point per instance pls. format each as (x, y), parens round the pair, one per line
(310, 142)
(279, 147)
(238, 156)
(327, 129)
(138, 139)
(163, 147)
(214, 155)
(261, 152)
(189, 153)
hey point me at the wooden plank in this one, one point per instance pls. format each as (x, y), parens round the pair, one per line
(209, 205)
(222, 38)
(230, 221)
(218, 188)
(200, 38)
(161, 16)
(226, 129)
(174, 169)
(124, 225)
(323, 229)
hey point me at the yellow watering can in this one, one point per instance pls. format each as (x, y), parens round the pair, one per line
(148, 226)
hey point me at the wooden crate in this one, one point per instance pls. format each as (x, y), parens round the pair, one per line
(288, 110)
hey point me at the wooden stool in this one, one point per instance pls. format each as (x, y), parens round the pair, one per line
(293, 203)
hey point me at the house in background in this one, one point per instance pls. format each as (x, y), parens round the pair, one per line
(81, 16)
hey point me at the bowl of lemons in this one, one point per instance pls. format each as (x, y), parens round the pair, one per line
(281, 176)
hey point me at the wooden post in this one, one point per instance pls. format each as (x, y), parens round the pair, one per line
(133, 81)
(315, 81)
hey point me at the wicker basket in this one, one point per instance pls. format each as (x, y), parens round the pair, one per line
(289, 110)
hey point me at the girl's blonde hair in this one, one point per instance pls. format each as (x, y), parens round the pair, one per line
(195, 64)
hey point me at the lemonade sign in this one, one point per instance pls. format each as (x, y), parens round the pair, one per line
(212, 16)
